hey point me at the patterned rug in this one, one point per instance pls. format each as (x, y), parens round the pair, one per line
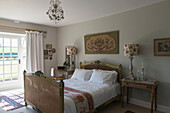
(12, 100)
(129, 112)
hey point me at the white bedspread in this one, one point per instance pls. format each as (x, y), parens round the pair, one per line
(100, 93)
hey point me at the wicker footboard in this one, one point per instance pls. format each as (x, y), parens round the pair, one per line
(44, 93)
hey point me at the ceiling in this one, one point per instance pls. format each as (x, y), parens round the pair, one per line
(34, 11)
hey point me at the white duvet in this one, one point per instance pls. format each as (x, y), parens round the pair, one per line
(100, 93)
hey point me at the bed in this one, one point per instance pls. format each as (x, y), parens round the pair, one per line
(53, 96)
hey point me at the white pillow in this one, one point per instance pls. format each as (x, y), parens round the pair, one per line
(103, 77)
(82, 74)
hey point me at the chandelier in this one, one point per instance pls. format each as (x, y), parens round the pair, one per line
(55, 11)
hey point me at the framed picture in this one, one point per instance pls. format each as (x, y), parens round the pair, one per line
(162, 47)
(45, 57)
(53, 50)
(48, 46)
(102, 43)
(46, 52)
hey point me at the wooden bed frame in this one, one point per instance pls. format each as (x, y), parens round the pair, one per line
(45, 94)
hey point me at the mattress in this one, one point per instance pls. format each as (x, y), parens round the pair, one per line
(100, 93)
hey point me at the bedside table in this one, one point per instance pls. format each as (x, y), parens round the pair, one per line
(147, 85)
(64, 73)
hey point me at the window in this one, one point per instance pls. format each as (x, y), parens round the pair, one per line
(12, 58)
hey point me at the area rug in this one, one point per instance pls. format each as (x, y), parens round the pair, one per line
(129, 112)
(12, 101)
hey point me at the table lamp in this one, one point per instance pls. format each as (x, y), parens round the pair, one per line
(71, 50)
(131, 50)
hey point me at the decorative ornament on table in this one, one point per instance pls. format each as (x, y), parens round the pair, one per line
(131, 50)
(138, 75)
(66, 64)
(142, 73)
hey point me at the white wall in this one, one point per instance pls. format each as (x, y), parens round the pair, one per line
(137, 26)
(50, 38)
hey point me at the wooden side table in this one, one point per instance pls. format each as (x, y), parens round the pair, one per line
(64, 73)
(147, 85)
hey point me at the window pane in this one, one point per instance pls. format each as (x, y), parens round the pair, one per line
(23, 42)
(7, 58)
(1, 42)
(24, 52)
(14, 42)
(14, 68)
(7, 42)
(14, 61)
(14, 58)
(14, 51)
(1, 78)
(7, 62)
(1, 69)
(7, 51)
(7, 69)
(1, 60)
(7, 77)
(15, 76)
(24, 60)
(1, 51)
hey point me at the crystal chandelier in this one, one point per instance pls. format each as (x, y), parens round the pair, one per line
(55, 11)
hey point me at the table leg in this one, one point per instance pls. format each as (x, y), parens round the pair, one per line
(122, 96)
(127, 94)
(152, 97)
(156, 99)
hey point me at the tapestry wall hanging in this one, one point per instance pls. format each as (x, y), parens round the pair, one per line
(162, 47)
(102, 43)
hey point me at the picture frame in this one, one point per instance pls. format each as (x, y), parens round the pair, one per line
(46, 52)
(102, 43)
(48, 46)
(162, 47)
(53, 50)
(45, 57)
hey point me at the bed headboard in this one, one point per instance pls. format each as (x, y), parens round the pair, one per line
(103, 66)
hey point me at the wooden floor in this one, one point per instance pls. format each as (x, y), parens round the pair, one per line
(111, 108)
(115, 107)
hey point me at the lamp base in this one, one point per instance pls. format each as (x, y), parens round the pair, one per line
(130, 77)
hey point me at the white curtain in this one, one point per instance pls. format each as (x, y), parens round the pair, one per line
(35, 52)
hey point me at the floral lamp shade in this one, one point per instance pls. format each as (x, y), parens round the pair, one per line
(131, 49)
(71, 50)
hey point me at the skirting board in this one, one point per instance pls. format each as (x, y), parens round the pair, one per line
(145, 104)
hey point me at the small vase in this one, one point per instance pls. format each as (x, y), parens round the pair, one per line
(142, 74)
(138, 75)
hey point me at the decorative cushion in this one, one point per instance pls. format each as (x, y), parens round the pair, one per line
(82, 74)
(103, 77)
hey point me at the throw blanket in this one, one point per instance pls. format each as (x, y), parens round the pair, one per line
(82, 100)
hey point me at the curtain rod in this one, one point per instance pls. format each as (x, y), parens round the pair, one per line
(21, 29)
